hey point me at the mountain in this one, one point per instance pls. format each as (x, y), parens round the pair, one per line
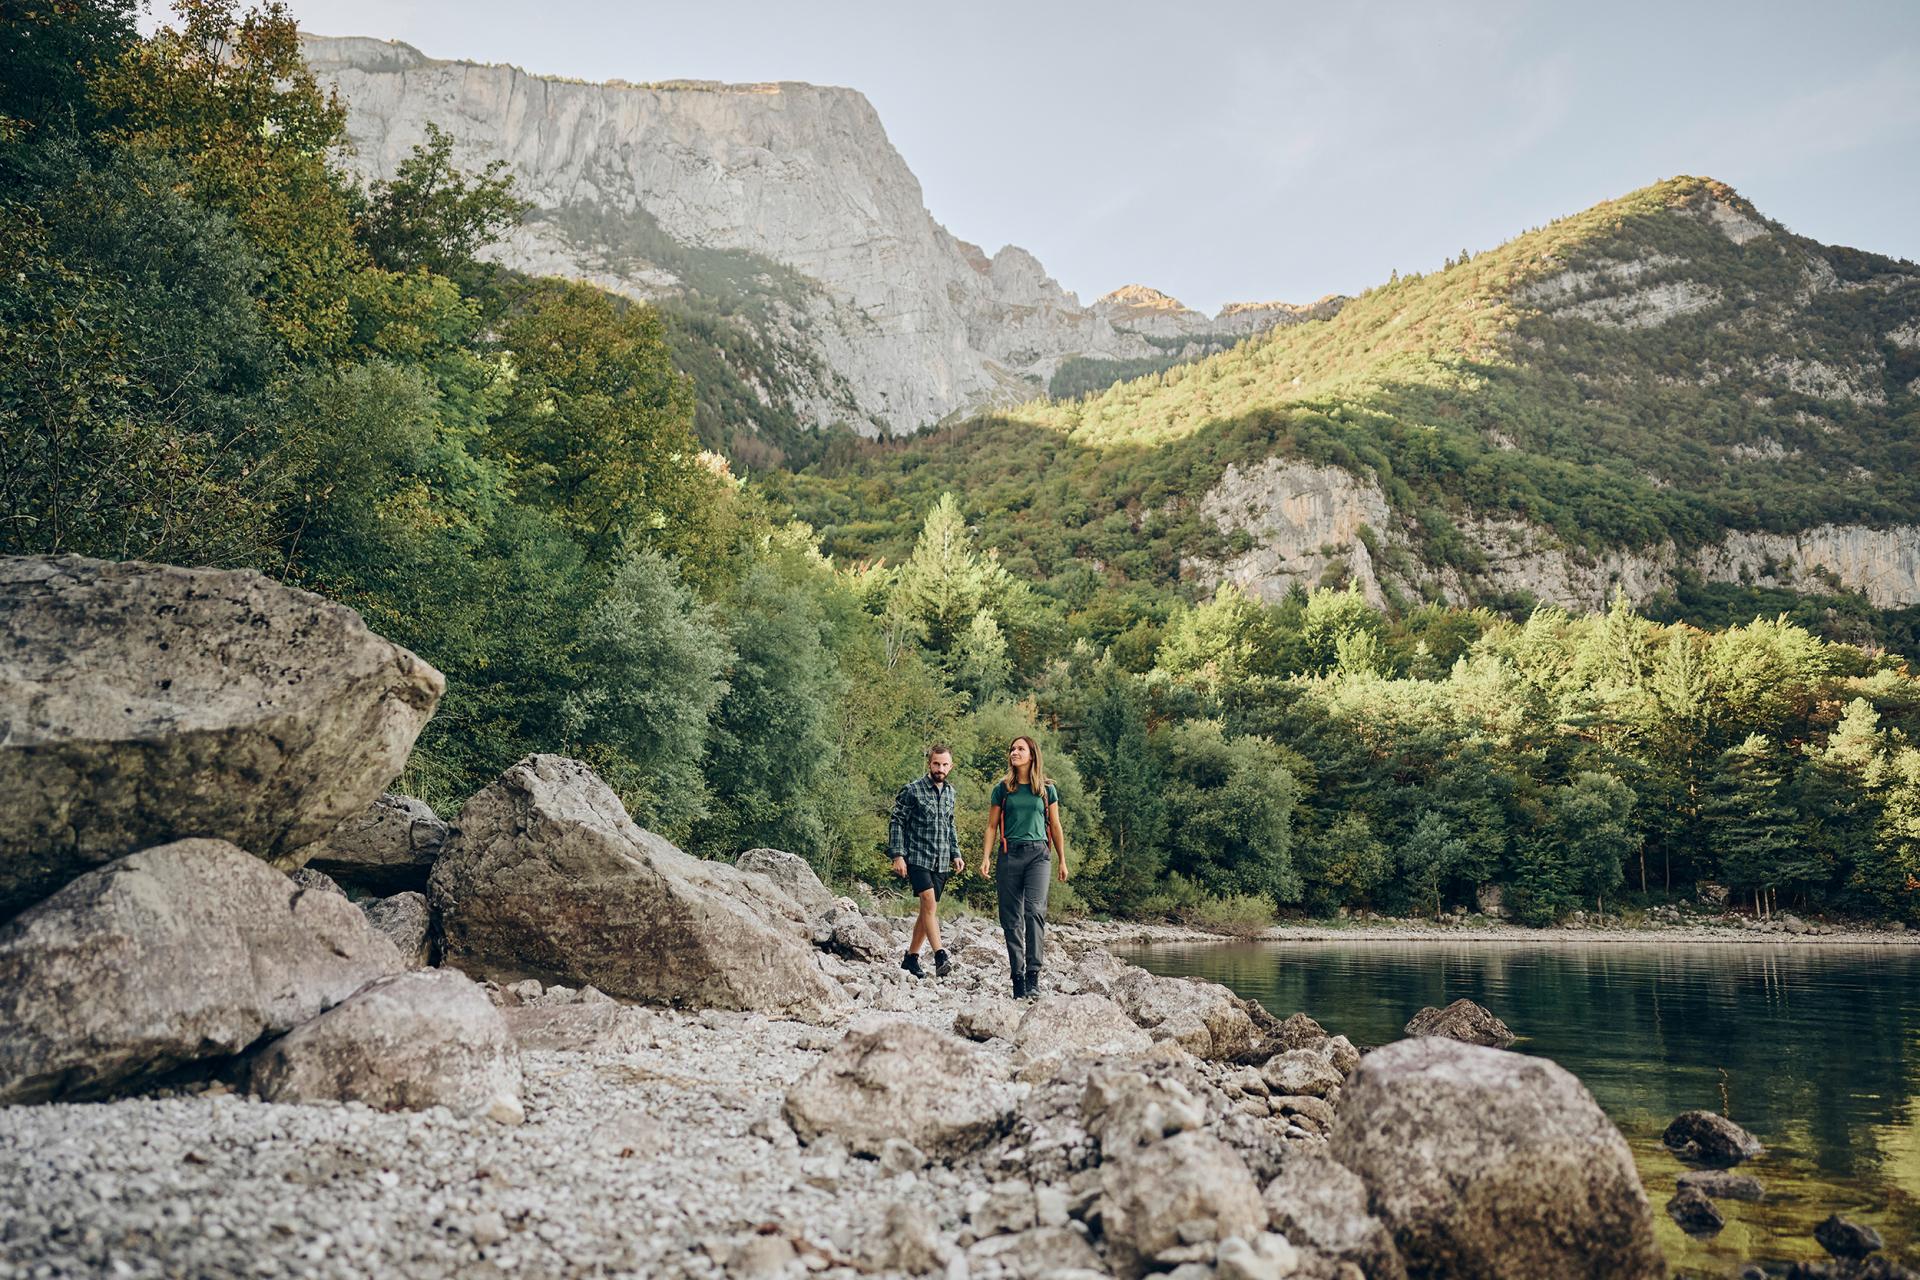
(774, 223)
(1661, 393)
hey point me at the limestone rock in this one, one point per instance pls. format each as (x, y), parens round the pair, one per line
(402, 1043)
(1722, 1185)
(188, 951)
(907, 1242)
(1125, 1109)
(1299, 1031)
(1204, 1018)
(1058, 1029)
(405, 922)
(1036, 1251)
(988, 1020)
(845, 932)
(1319, 1204)
(1710, 1139)
(318, 881)
(874, 1085)
(387, 849)
(143, 703)
(793, 875)
(1301, 1071)
(595, 1027)
(545, 875)
(1488, 1163)
(1185, 1190)
(1463, 1020)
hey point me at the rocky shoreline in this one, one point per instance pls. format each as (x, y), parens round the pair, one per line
(1126, 934)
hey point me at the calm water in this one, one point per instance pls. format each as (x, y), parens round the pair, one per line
(1816, 1050)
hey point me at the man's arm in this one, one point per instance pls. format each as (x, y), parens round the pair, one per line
(896, 832)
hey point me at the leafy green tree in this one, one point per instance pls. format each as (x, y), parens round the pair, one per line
(946, 584)
(1891, 879)
(1429, 856)
(1591, 824)
(1232, 800)
(1125, 772)
(1755, 835)
(436, 216)
(981, 666)
(51, 52)
(1345, 864)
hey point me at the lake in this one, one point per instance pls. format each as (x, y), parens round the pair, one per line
(1814, 1049)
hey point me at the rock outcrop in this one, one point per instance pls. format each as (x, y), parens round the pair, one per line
(795, 878)
(634, 186)
(901, 1081)
(414, 1040)
(385, 850)
(546, 876)
(1487, 1163)
(1058, 1029)
(193, 950)
(143, 703)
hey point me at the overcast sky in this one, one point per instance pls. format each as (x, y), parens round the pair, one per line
(1247, 150)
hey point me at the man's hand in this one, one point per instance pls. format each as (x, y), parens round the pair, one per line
(900, 867)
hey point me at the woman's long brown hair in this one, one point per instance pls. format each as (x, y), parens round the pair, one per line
(1036, 776)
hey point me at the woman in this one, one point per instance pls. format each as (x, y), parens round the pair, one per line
(1025, 810)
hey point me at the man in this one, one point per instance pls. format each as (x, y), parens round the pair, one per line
(925, 850)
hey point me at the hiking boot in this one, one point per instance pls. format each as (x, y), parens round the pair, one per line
(1019, 987)
(912, 964)
(1032, 985)
(942, 965)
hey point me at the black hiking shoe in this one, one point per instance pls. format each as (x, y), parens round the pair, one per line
(942, 965)
(1019, 987)
(912, 964)
(1032, 985)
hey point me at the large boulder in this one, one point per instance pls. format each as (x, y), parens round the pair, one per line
(902, 1080)
(192, 950)
(546, 876)
(793, 874)
(1186, 1193)
(1204, 1018)
(1710, 1139)
(1463, 1020)
(1488, 1163)
(143, 703)
(386, 849)
(1318, 1203)
(1059, 1029)
(429, 1038)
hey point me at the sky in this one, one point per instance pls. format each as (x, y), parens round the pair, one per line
(1242, 151)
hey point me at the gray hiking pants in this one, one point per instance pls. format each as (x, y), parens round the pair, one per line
(1022, 881)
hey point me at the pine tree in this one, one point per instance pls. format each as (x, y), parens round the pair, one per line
(1754, 833)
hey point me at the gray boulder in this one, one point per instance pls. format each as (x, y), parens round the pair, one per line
(1308, 1072)
(389, 848)
(308, 878)
(795, 877)
(546, 876)
(1060, 1029)
(901, 1080)
(1722, 1185)
(1465, 1021)
(1844, 1238)
(429, 1038)
(1204, 1018)
(1317, 1203)
(1488, 1163)
(1188, 1192)
(845, 932)
(1709, 1138)
(405, 922)
(1695, 1212)
(190, 951)
(143, 703)
(988, 1020)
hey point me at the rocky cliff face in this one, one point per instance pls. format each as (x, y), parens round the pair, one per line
(788, 195)
(1306, 522)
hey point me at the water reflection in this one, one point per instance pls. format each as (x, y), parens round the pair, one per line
(1815, 1049)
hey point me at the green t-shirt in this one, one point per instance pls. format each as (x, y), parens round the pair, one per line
(1024, 817)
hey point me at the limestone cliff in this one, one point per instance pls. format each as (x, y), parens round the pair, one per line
(786, 197)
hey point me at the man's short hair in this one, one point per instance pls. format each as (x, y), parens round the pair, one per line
(938, 749)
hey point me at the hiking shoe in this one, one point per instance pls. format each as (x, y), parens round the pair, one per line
(912, 964)
(1032, 985)
(1019, 987)
(942, 966)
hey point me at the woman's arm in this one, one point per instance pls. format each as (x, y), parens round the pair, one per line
(1057, 838)
(993, 834)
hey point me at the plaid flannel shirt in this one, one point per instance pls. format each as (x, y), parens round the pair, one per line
(921, 829)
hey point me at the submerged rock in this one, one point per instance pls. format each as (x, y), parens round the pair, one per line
(1695, 1211)
(1488, 1163)
(1844, 1238)
(143, 703)
(1711, 1139)
(189, 951)
(1463, 1020)
(1722, 1185)
(546, 876)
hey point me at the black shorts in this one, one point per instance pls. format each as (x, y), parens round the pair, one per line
(924, 878)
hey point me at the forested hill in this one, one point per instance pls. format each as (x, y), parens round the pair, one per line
(1663, 391)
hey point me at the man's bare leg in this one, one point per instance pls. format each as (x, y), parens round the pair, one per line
(919, 932)
(927, 927)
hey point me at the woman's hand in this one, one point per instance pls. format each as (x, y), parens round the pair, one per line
(1063, 871)
(986, 868)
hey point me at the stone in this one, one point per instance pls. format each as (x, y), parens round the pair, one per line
(429, 1038)
(1149, 1193)
(989, 1020)
(1004, 1207)
(908, 1243)
(546, 876)
(874, 1085)
(1319, 1204)
(1318, 1110)
(308, 878)
(590, 1027)
(1301, 1071)
(845, 932)
(142, 704)
(1722, 1185)
(1058, 1029)
(1463, 1020)
(1711, 1139)
(794, 876)
(389, 848)
(1266, 1257)
(1204, 1018)
(1695, 1211)
(897, 1155)
(1299, 1032)
(1126, 1109)
(405, 922)
(1037, 1251)
(189, 951)
(1844, 1238)
(1489, 1163)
